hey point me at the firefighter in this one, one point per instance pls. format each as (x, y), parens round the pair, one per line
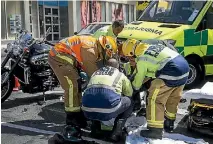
(169, 71)
(71, 56)
(108, 96)
(113, 30)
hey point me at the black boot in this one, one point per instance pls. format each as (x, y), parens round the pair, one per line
(72, 134)
(118, 130)
(169, 125)
(95, 129)
(154, 133)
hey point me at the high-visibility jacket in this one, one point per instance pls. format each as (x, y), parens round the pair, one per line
(111, 77)
(159, 61)
(102, 96)
(73, 46)
(106, 31)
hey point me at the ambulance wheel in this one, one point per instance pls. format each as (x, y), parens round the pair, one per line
(195, 73)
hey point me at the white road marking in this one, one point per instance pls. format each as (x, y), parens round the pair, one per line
(27, 128)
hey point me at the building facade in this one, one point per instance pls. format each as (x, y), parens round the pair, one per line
(64, 17)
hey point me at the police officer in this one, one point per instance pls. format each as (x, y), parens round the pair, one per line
(112, 30)
(169, 71)
(108, 96)
(71, 56)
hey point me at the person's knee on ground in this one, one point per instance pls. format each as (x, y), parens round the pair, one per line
(120, 120)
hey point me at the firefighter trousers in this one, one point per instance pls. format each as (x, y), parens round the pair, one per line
(162, 101)
(67, 74)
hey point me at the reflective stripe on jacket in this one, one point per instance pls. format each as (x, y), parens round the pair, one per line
(104, 90)
(72, 46)
(162, 62)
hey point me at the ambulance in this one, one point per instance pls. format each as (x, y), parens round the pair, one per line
(188, 25)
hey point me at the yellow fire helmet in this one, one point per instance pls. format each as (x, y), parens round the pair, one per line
(133, 47)
(109, 44)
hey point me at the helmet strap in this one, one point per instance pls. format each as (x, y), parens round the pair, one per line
(134, 47)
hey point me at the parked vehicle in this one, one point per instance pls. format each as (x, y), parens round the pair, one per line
(187, 25)
(28, 61)
(91, 28)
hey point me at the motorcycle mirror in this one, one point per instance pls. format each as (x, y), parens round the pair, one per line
(75, 33)
(48, 31)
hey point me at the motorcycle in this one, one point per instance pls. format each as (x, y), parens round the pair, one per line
(28, 61)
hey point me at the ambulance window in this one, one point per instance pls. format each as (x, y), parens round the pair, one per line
(207, 21)
(152, 11)
(167, 11)
(209, 18)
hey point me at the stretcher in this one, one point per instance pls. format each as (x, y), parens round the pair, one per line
(200, 116)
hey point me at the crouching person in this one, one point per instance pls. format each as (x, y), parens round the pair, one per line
(107, 96)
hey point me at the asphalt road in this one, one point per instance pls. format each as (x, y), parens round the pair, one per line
(24, 121)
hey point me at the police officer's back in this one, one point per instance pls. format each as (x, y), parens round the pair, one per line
(103, 100)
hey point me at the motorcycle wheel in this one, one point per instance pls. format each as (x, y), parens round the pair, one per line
(7, 88)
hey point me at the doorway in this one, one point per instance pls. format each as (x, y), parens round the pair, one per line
(52, 19)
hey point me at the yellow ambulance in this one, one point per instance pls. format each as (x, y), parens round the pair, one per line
(188, 25)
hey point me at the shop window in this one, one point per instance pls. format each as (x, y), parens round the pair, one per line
(132, 13)
(56, 37)
(49, 37)
(126, 13)
(55, 11)
(109, 11)
(47, 26)
(103, 11)
(117, 12)
(47, 11)
(55, 20)
(48, 20)
(56, 28)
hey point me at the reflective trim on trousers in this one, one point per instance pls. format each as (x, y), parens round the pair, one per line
(70, 91)
(57, 54)
(158, 122)
(167, 77)
(153, 106)
(101, 110)
(155, 125)
(69, 60)
(169, 115)
(72, 109)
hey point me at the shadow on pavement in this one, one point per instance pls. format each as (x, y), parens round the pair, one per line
(27, 100)
(53, 121)
(54, 113)
(182, 129)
